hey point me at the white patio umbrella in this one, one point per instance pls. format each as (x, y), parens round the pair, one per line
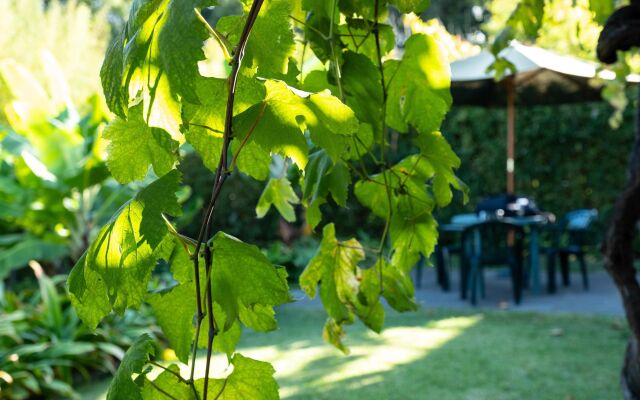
(542, 77)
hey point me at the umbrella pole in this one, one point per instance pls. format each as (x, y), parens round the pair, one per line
(511, 135)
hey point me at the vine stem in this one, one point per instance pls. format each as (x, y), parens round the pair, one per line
(222, 171)
(376, 34)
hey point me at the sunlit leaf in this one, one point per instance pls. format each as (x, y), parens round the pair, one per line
(280, 194)
(134, 146)
(243, 277)
(418, 86)
(250, 379)
(114, 272)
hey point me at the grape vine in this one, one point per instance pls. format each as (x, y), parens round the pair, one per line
(314, 85)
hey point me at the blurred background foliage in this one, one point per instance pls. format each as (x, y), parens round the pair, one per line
(71, 32)
(567, 156)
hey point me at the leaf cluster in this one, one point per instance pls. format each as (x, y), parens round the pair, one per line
(166, 79)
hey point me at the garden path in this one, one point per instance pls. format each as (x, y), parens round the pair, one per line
(602, 297)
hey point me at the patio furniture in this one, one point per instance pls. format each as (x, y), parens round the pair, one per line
(491, 243)
(448, 246)
(517, 210)
(571, 236)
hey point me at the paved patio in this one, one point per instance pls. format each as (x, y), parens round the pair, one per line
(601, 298)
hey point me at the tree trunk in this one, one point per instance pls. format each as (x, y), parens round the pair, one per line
(620, 33)
(630, 371)
(619, 262)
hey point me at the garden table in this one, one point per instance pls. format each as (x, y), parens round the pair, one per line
(533, 222)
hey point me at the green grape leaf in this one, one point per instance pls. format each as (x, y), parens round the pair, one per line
(227, 339)
(321, 7)
(155, 60)
(407, 193)
(408, 6)
(280, 194)
(167, 383)
(252, 159)
(316, 31)
(243, 277)
(176, 326)
(332, 124)
(114, 272)
(372, 193)
(398, 287)
(274, 125)
(122, 386)
(178, 258)
(314, 214)
(444, 161)
(180, 42)
(271, 41)
(362, 142)
(418, 86)
(411, 237)
(258, 317)
(204, 121)
(250, 379)
(111, 77)
(527, 17)
(134, 146)
(357, 36)
(335, 307)
(361, 81)
(340, 260)
(278, 123)
(321, 177)
(87, 292)
(317, 81)
(372, 315)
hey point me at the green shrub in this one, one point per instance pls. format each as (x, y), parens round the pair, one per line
(55, 190)
(70, 31)
(44, 347)
(567, 156)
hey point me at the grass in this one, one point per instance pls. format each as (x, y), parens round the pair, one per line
(444, 355)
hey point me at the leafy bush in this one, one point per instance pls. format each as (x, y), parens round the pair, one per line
(75, 36)
(45, 349)
(55, 189)
(567, 157)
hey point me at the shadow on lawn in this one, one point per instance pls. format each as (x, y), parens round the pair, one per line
(438, 355)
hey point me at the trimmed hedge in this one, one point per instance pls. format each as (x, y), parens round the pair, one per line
(567, 156)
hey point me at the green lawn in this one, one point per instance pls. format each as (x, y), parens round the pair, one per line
(446, 355)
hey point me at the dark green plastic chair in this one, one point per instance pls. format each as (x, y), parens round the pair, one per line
(571, 236)
(491, 243)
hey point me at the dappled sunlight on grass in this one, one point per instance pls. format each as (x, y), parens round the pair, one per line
(401, 345)
(379, 353)
(441, 355)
